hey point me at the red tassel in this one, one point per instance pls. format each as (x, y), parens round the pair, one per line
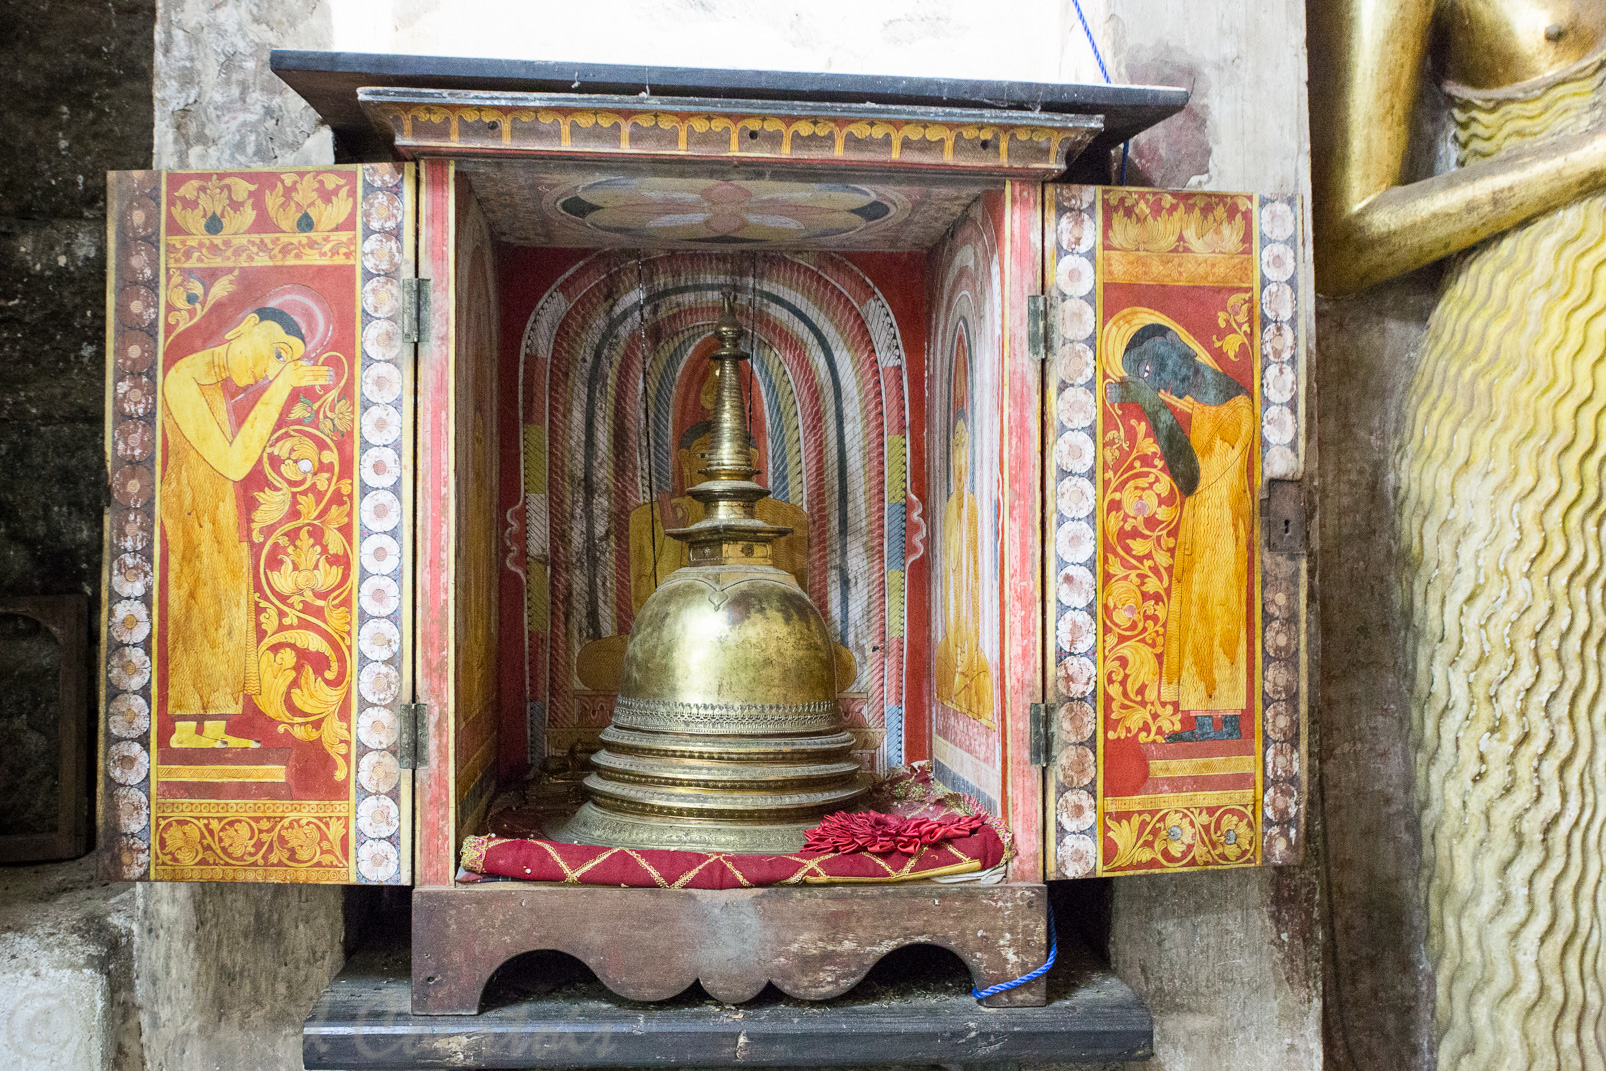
(872, 831)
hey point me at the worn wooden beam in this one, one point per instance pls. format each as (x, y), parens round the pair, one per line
(548, 1011)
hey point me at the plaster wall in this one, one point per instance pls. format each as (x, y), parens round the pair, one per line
(1230, 962)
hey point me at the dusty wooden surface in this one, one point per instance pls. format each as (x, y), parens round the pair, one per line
(546, 1010)
(813, 942)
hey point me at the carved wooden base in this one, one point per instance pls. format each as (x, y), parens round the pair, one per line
(814, 941)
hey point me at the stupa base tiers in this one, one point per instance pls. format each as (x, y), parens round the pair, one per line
(592, 824)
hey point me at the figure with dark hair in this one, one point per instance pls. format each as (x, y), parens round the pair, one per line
(1205, 662)
(211, 663)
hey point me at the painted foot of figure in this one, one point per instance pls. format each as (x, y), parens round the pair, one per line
(213, 730)
(184, 735)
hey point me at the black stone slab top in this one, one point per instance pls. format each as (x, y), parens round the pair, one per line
(329, 82)
(546, 1010)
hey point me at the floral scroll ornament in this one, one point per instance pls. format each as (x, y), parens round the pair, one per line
(1141, 510)
(191, 299)
(304, 588)
(292, 841)
(1182, 836)
(215, 205)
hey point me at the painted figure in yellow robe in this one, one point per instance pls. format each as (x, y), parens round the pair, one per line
(211, 660)
(1205, 663)
(964, 679)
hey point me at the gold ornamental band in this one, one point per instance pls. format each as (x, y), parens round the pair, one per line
(1225, 764)
(1233, 798)
(220, 773)
(1179, 269)
(170, 808)
(256, 250)
(661, 715)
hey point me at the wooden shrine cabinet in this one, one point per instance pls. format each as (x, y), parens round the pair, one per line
(392, 446)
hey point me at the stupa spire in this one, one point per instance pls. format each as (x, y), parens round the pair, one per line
(730, 529)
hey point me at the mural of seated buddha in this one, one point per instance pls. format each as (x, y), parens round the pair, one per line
(653, 556)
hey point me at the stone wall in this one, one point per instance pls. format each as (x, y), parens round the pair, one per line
(76, 81)
(75, 78)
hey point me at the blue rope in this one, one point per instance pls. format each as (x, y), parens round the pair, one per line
(1105, 71)
(1053, 951)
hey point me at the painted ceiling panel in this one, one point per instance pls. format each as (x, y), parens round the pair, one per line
(533, 205)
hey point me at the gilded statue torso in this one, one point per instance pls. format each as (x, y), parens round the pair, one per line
(1495, 44)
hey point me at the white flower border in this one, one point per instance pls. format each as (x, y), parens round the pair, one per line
(377, 847)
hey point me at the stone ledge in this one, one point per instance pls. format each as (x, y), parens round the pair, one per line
(66, 969)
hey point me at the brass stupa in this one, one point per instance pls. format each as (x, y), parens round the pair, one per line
(726, 734)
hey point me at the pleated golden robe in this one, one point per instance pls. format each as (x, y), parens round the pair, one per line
(1500, 466)
(210, 637)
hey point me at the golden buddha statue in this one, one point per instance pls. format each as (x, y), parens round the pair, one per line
(727, 734)
(1499, 484)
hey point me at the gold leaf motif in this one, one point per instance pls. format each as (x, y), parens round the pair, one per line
(216, 205)
(1217, 230)
(302, 202)
(1140, 513)
(231, 841)
(305, 580)
(272, 505)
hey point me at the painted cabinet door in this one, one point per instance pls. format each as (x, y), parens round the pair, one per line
(256, 591)
(1174, 564)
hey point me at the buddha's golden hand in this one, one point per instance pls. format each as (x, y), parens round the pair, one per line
(300, 374)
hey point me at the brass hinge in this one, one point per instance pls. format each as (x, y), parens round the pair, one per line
(1285, 517)
(412, 751)
(1037, 734)
(415, 310)
(1037, 326)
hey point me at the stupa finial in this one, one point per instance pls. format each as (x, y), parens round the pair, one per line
(730, 528)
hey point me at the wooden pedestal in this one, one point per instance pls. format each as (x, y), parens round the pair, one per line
(813, 942)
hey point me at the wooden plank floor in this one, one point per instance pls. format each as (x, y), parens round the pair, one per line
(547, 1010)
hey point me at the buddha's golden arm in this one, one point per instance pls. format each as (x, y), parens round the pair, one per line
(233, 458)
(1365, 61)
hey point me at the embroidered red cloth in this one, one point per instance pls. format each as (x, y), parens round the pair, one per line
(916, 814)
(586, 864)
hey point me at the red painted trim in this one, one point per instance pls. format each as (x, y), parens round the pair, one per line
(1022, 570)
(434, 565)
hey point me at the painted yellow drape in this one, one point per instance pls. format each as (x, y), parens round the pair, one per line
(1206, 634)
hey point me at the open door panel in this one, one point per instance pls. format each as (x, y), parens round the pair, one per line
(1174, 561)
(257, 590)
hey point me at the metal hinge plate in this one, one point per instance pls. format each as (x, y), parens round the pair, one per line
(412, 752)
(415, 310)
(1037, 326)
(1285, 517)
(1037, 734)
